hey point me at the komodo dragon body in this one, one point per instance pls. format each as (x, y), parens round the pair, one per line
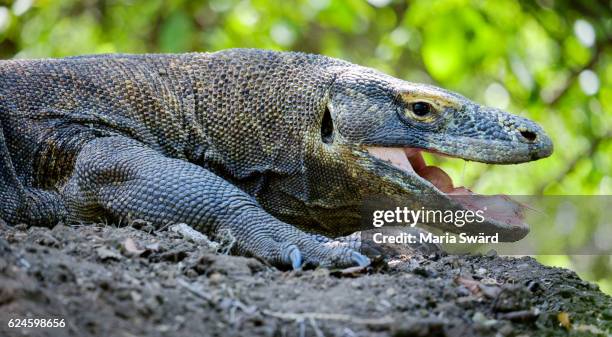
(276, 147)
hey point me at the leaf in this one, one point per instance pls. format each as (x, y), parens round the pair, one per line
(472, 285)
(564, 320)
(130, 248)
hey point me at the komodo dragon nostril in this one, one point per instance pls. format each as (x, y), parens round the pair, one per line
(529, 136)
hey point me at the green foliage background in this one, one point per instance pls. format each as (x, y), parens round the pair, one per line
(548, 60)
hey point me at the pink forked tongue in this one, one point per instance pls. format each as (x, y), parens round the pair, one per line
(498, 207)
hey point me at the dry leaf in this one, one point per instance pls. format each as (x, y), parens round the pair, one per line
(130, 247)
(472, 285)
(564, 320)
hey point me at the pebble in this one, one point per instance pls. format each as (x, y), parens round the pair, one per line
(216, 278)
(491, 253)
(480, 319)
(107, 254)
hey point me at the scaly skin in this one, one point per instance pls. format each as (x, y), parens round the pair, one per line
(270, 146)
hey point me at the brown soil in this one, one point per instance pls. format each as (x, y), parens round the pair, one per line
(109, 281)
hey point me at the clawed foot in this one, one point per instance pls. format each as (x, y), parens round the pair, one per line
(285, 246)
(315, 254)
(288, 247)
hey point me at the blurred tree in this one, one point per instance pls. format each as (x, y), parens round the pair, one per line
(549, 60)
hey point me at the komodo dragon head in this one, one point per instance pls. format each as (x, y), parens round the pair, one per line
(372, 135)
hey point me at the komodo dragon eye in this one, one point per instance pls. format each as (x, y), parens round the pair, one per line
(421, 112)
(421, 109)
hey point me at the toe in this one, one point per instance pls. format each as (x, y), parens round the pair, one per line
(295, 257)
(359, 259)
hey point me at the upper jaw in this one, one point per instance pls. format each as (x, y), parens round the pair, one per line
(495, 137)
(493, 151)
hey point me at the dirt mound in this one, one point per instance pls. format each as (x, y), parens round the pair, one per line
(108, 281)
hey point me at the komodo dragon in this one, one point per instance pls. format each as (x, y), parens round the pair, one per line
(279, 148)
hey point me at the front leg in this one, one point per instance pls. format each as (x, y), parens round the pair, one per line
(118, 177)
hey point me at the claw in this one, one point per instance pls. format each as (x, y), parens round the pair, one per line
(296, 258)
(360, 260)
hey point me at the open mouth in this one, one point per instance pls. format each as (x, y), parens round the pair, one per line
(498, 208)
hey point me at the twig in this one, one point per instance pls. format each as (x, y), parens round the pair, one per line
(193, 290)
(193, 235)
(162, 228)
(316, 329)
(302, 328)
(289, 316)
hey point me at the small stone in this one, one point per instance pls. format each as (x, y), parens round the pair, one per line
(480, 319)
(47, 240)
(21, 227)
(385, 303)
(23, 263)
(136, 297)
(424, 272)
(216, 278)
(490, 291)
(320, 272)
(190, 273)
(153, 247)
(163, 328)
(489, 281)
(512, 298)
(462, 291)
(106, 254)
(505, 330)
(390, 292)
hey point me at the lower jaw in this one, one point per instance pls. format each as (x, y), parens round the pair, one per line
(504, 212)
